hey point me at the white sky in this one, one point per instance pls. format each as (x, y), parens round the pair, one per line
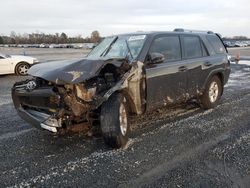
(228, 17)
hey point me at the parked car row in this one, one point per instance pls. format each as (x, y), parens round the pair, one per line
(236, 43)
(75, 46)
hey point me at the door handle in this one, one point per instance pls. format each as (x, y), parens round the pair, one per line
(207, 63)
(182, 68)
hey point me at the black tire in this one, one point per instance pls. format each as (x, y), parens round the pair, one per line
(209, 101)
(111, 123)
(19, 68)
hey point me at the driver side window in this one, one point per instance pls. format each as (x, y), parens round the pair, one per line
(169, 46)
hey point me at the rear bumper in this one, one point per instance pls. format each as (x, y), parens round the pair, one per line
(38, 119)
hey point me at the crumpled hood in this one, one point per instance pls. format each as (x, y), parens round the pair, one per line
(70, 71)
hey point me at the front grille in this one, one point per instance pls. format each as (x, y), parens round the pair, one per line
(40, 99)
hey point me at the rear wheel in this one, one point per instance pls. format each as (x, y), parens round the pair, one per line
(212, 94)
(114, 121)
(22, 69)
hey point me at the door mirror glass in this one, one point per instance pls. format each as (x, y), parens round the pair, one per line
(156, 58)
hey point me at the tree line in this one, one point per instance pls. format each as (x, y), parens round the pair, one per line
(40, 38)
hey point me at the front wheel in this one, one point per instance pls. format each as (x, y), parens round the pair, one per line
(114, 121)
(22, 69)
(212, 94)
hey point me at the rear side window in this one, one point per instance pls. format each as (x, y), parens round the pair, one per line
(192, 47)
(169, 46)
(216, 44)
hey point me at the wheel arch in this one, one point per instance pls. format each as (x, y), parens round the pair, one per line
(136, 96)
(219, 73)
(131, 86)
(19, 63)
(130, 102)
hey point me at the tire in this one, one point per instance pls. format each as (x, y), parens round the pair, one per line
(115, 128)
(22, 69)
(212, 94)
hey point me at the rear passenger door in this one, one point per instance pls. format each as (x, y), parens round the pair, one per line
(166, 81)
(195, 56)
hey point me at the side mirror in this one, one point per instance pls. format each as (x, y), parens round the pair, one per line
(156, 58)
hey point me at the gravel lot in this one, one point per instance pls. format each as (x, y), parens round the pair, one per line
(180, 147)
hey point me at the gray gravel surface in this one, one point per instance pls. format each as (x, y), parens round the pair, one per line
(181, 147)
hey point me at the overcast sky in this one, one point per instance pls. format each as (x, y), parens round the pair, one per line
(228, 17)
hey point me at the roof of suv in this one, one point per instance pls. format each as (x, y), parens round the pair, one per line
(189, 32)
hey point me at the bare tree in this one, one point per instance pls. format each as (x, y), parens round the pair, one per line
(1, 40)
(63, 38)
(95, 37)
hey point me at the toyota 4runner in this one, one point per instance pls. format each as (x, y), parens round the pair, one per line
(125, 74)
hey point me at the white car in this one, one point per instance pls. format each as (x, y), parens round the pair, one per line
(16, 64)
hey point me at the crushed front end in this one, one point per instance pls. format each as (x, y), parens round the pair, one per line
(60, 106)
(53, 107)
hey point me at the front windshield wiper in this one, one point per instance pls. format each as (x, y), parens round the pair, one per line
(129, 51)
(109, 47)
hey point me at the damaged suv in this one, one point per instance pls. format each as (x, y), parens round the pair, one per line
(124, 75)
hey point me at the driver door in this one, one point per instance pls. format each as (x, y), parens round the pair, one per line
(166, 81)
(5, 65)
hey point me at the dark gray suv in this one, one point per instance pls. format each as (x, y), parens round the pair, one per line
(124, 75)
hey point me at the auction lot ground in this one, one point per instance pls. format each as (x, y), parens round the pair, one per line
(181, 147)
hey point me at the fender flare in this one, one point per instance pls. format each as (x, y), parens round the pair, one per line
(220, 73)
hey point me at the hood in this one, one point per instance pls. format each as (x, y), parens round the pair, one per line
(70, 71)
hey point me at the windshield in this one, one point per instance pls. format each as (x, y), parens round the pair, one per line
(118, 47)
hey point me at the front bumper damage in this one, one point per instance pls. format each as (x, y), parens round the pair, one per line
(54, 107)
(39, 111)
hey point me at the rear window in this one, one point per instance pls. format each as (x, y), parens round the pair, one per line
(216, 44)
(192, 47)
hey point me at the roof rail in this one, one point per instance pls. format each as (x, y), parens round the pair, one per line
(192, 31)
